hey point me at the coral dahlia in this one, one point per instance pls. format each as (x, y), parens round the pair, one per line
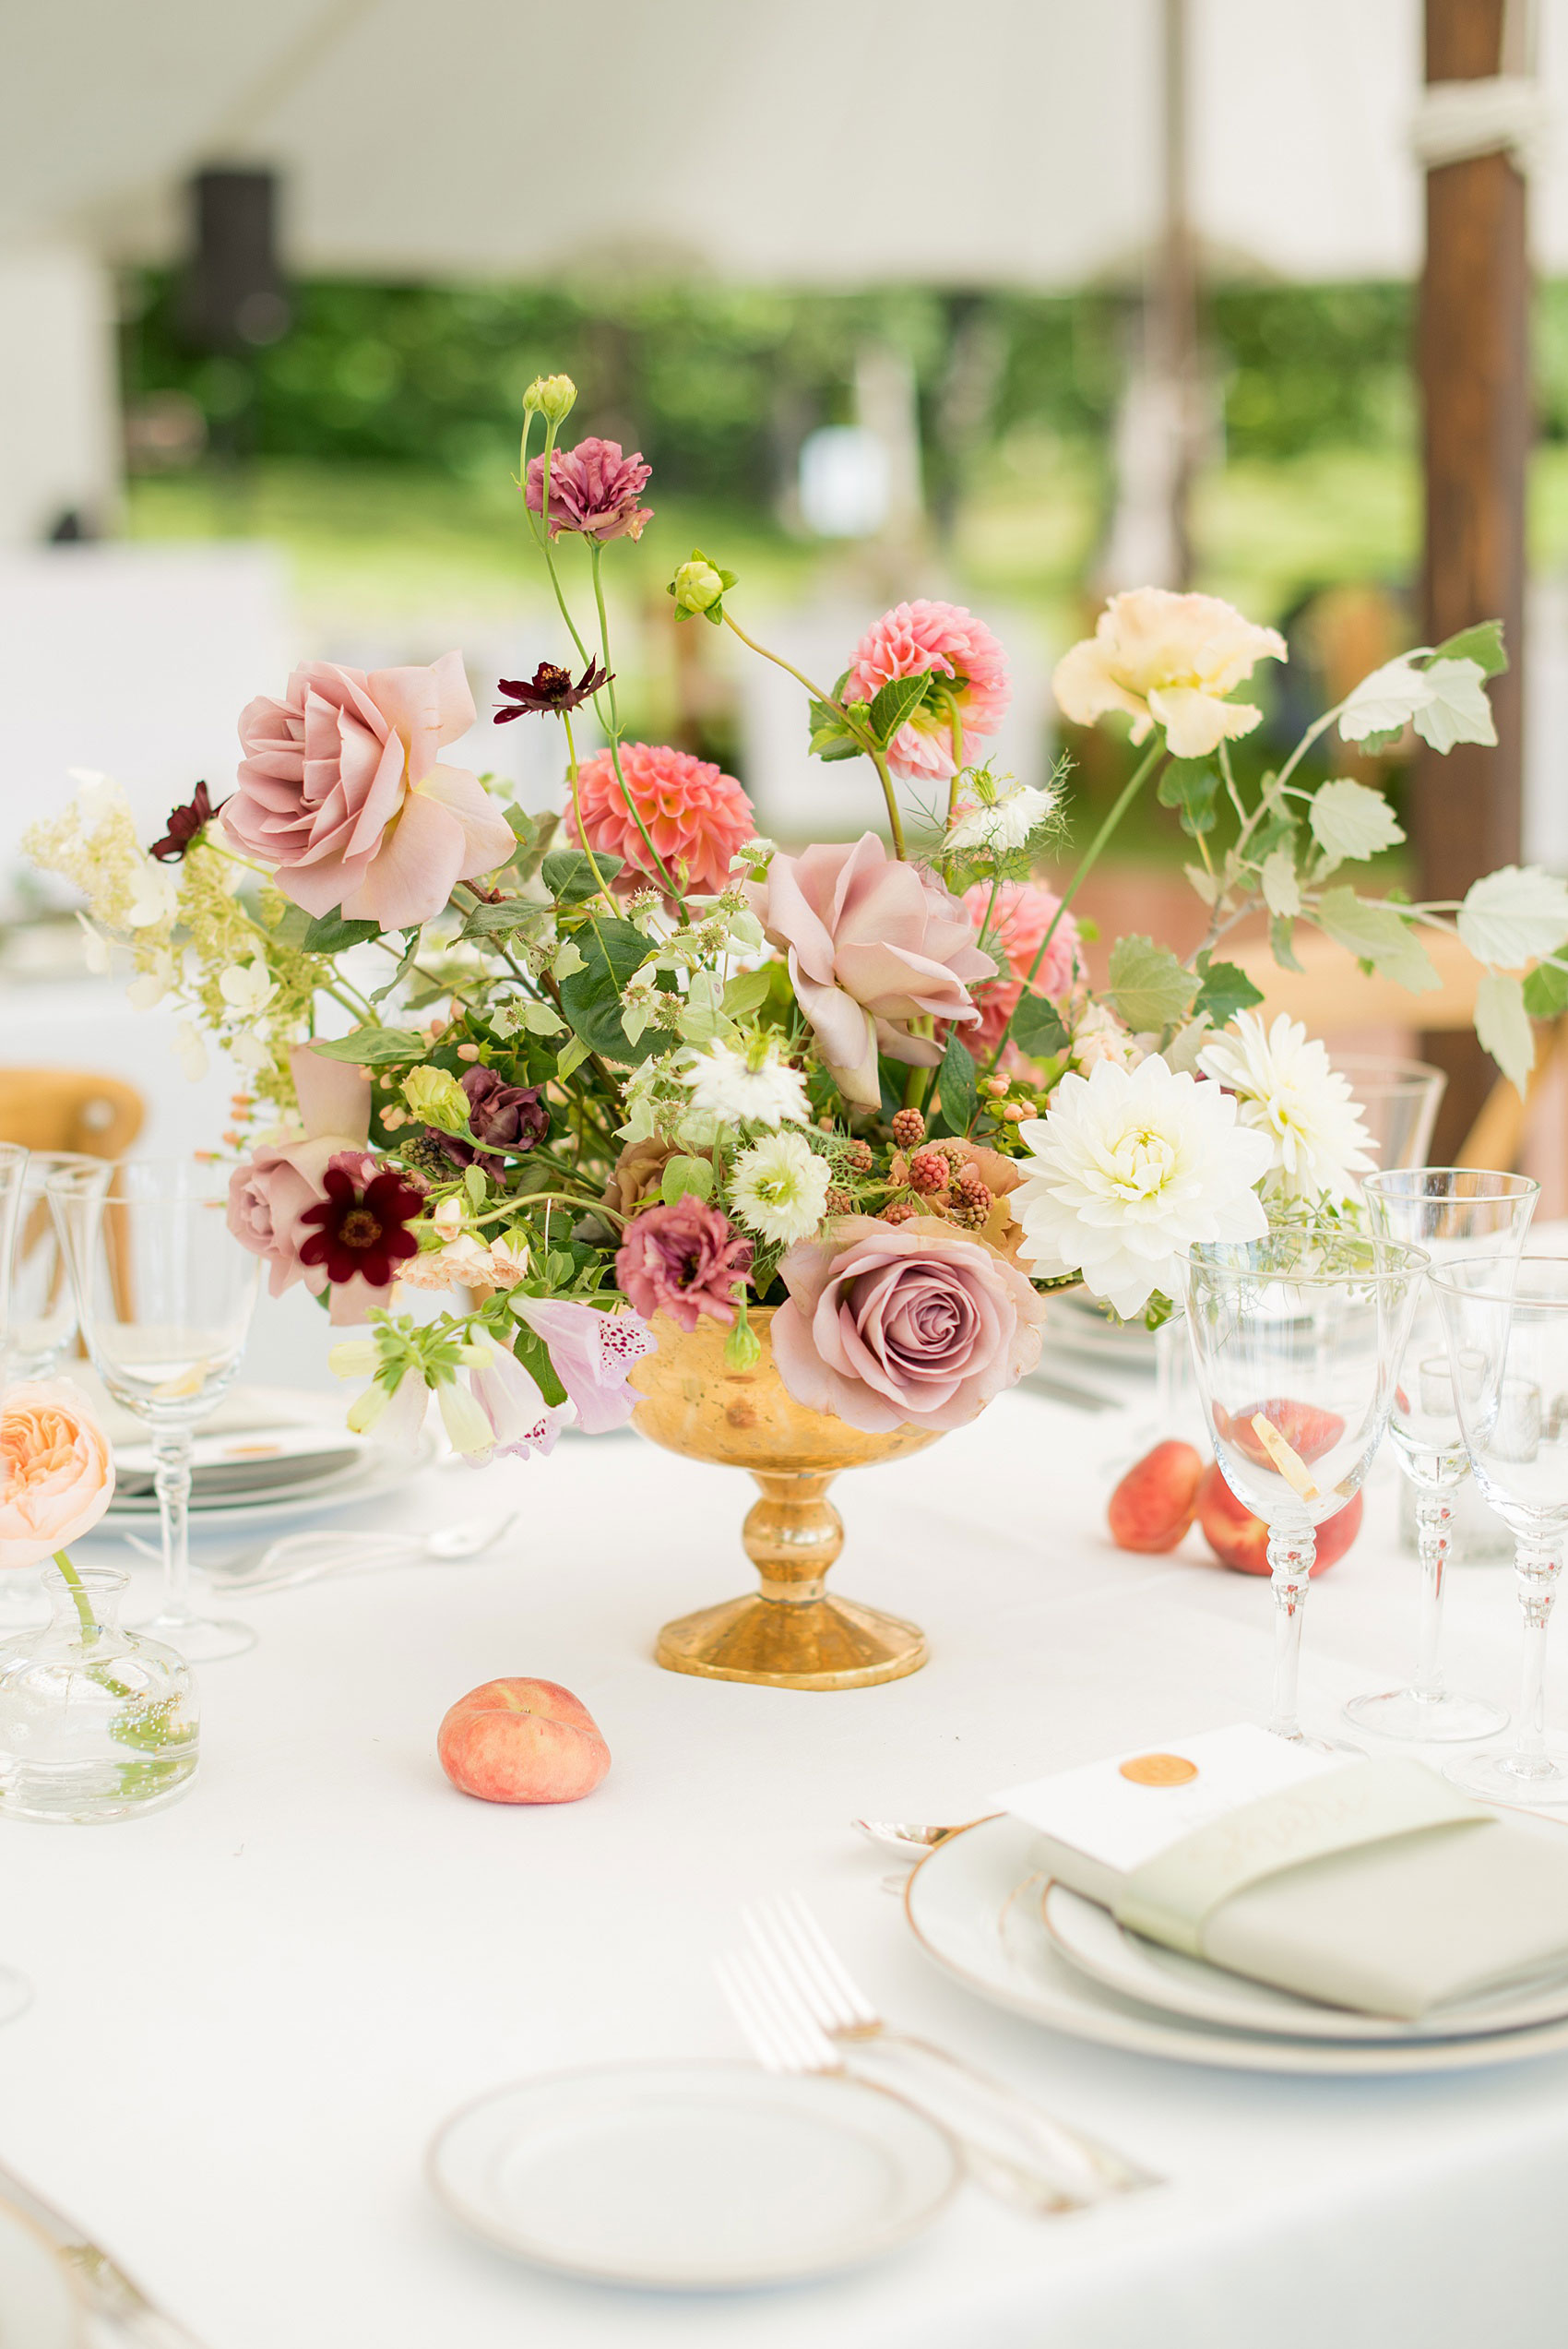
(912, 640)
(697, 817)
(1020, 920)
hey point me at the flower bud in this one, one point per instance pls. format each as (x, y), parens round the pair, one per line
(436, 1099)
(697, 585)
(743, 1347)
(354, 1358)
(552, 396)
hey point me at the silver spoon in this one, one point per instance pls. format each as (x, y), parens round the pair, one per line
(903, 1836)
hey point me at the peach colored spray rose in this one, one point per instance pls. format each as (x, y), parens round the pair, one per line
(56, 1471)
(1168, 660)
(911, 641)
(888, 1326)
(873, 944)
(341, 793)
(696, 815)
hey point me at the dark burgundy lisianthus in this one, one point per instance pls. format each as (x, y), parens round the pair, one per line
(550, 688)
(593, 488)
(682, 1261)
(363, 1221)
(508, 1117)
(184, 823)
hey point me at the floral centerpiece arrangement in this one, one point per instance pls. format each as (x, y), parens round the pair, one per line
(602, 1076)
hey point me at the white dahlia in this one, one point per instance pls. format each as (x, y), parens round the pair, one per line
(779, 1189)
(1127, 1170)
(1286, 1089)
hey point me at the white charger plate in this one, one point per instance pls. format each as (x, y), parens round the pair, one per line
(1088, 1937)
(976, 1907)
(381, 1470)
(39, 2308)
(692, 2176)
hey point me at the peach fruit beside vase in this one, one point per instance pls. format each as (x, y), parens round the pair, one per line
(789, 1634)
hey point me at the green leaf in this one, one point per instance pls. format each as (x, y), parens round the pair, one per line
(543, 1020)
(534, 1355)
(1148, 985)
(568, 959)
(590, 997)
(411, 947)
(898, 700)
(747, 991)
(1377, 933)
(525, 826)
(290, 927)
(682, 1174)
(1483, 644)
(1545, 989)
(1503, 1025)
(375, 1047)
(956, 1086)
(329, 933)
(1281, 890)
(1190, 784)
(569, 877)
(571, 1056)
(1037, 1028)
(1349, 820)
(1226, 990)
(512, 914)
(1513, 914)
(1281, 944)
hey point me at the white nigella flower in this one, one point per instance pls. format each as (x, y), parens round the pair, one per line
(1129, 1168)
(247, 987)
(749, 1087)
(1001, 823)
(778, 1187)
(1287, 1088)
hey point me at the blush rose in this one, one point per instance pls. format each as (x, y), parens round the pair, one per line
(56, 1471)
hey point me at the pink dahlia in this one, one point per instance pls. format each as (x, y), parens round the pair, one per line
(682, 1261)
(593, 489)
(911, 641)
(1019, 919)
(697, 817)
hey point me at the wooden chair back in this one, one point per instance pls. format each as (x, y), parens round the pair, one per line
(69, 1109)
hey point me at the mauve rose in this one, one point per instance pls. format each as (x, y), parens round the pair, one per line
(682, 1261)
(510, 1117)
(873, 944)
(269, 1194)
(903, 1324)
(341, 793)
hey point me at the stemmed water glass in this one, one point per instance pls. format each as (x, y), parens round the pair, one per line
(164, 1295)
(1507, 1329)
(1398, 1100)
(42, 1323)
(1296, 1338)
(1449, 1212)
(16, 1990)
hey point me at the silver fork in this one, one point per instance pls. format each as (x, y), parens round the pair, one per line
(800, 1956)
(784, 2038)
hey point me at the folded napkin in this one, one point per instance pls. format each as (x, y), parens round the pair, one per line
(1374, 1885)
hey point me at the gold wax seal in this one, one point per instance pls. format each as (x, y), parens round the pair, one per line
(1159, 1770)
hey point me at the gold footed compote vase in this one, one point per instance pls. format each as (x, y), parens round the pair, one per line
(789, 1634)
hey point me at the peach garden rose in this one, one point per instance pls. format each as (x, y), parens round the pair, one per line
(56, 1471)
(1168, 660)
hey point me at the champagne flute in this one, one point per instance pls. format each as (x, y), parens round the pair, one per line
(164, 1295)
(1448, 1212)
(1507, 1329)
(1296, 1338)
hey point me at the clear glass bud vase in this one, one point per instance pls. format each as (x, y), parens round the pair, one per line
(95, 1723)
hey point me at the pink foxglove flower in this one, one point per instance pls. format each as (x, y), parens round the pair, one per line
(684, 1261)
(592, 1354)
(594, 489)
(696, 815)
(340, 792)
(873, 944)
(912, 640)
(521, 1421)
(1020, 920)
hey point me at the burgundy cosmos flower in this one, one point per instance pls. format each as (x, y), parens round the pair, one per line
(549, 690)
(363, 1221)
(593, 489)
(682, 1261)
(184, 823)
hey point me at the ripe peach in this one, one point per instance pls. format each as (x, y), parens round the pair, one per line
(1152, 1507)
(1239, 1539)
(522, 1741)
(1309, 1431)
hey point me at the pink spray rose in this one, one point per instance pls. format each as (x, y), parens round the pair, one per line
(340, 792)
(684, 1261)
(696, 816)
(1020, 920)
(56, 1471)
(908, 1324)
(593, 489)
(911, 641)
(873, 943)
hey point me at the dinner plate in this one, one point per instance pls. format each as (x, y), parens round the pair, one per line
(380, 1469)
(38, 2304)
(1089, 1937)
(692, 2176)
(976, 1907)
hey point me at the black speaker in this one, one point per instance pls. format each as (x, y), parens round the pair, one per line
(235, 297)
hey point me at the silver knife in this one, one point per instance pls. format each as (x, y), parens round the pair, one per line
(110, 2291)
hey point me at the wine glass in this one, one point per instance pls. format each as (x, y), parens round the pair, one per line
(16, 1990)
(164, 1293)
(42, 1323)
(1507, 1329)
(1296, 1338)
(1398, 1100)
(1448, 1212)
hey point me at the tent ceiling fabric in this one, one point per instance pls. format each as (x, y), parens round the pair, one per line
(828, 142)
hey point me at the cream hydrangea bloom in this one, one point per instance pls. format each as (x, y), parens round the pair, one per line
(1168, 660)
(1129, 1168)
(1289, 1090)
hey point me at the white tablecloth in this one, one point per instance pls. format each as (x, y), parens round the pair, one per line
(253, 2008)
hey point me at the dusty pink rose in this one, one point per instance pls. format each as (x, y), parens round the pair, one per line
(340, 792)
(270, 1195)
(593, 489)
(912, 640)
(56, 1471)
(873, 944)
(1019, 919)
(696, 816)
(903, 1324)
(684, 1261)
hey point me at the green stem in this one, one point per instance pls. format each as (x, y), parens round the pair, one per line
(867, 741)
(539, 525)
(1129, 790)
(659, 864)
(957, 723)
(600, 881)
(84, 1605)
